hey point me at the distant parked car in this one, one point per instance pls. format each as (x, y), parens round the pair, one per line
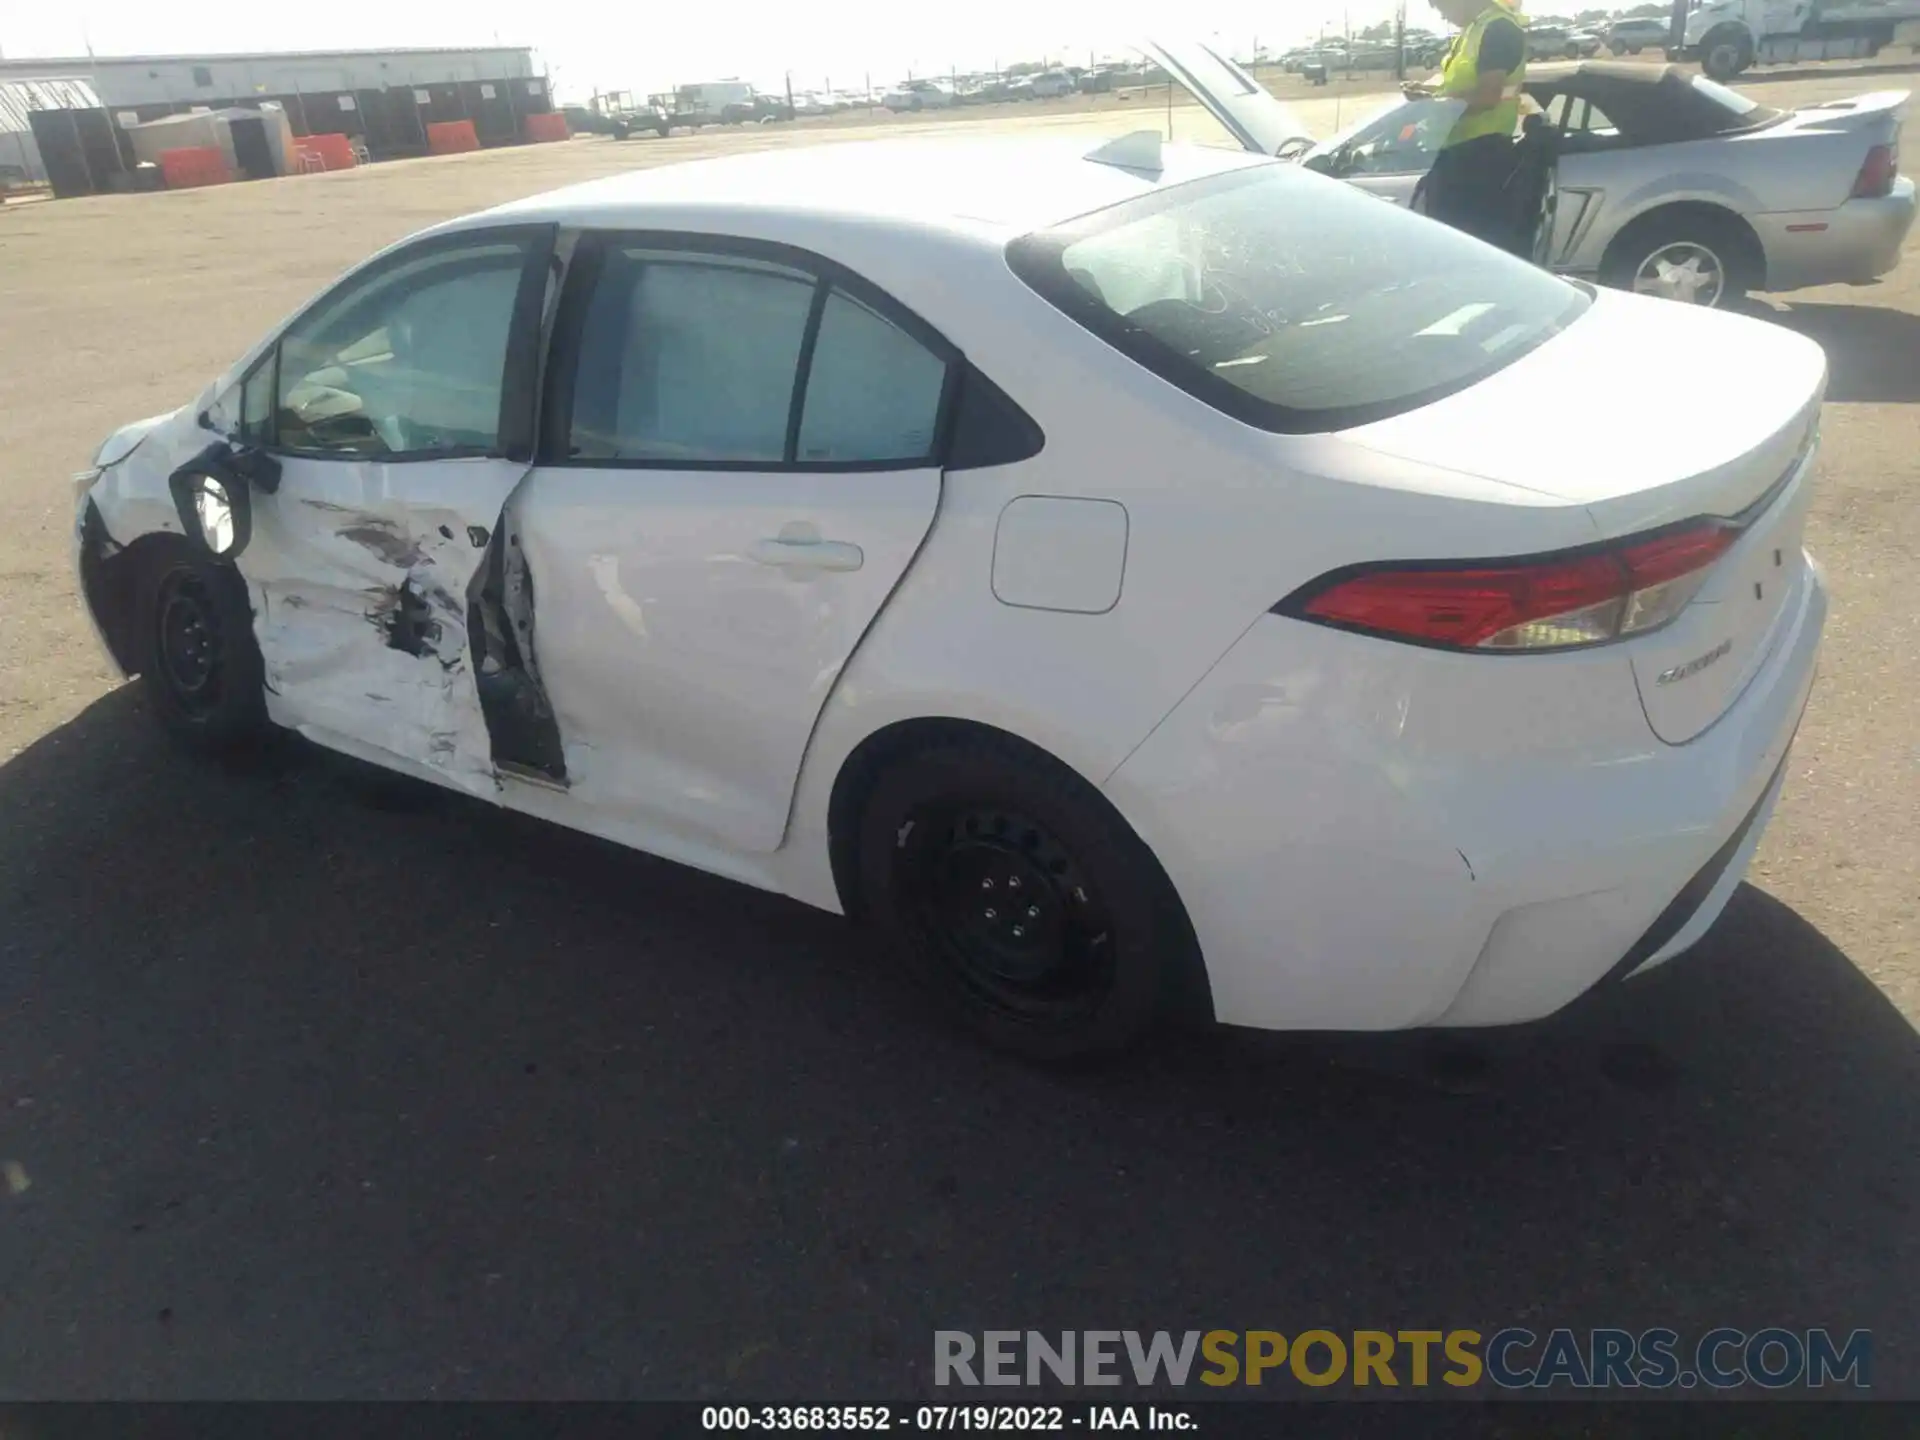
(1630, 37)
(918, 95)
(1052, 85)
(1557, 42)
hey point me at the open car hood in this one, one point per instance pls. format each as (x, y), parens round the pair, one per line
(1239, 102)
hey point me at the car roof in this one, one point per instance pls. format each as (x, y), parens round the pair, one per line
(1614, 72)
(1651, 104)
(999, 185)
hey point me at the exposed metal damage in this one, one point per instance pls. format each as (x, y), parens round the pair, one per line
(449, 685)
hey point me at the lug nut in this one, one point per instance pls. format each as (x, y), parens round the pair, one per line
(1018, 932)
(1033, 912)
(987, 884)
(992, 914)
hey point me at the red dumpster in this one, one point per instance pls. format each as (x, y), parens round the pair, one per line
(550, 125)
(193, 165)
(452, 137)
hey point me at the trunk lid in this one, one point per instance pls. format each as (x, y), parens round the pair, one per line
(1876, 115)
(1646, 414)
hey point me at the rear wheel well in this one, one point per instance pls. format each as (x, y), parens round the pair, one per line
(854, 785)
(891, 744)
(1749, 261)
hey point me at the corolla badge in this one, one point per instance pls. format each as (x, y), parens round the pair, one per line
(1696, 665)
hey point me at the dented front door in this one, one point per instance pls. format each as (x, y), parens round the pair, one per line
(361, 576)
(401, 419)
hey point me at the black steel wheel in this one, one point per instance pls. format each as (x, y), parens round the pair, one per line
(188, 646)
(1007, 905)
(1022, 901)
(201, 666)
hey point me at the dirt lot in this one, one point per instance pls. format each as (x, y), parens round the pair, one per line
(320, 1099)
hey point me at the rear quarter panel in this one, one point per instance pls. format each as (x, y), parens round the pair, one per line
(1223, 520)
(1613, 189)
(1764, 172)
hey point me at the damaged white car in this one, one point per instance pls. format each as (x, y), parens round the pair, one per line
(1139, 582)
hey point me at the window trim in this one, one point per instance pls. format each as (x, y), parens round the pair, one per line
(583, 276)
(514, 431)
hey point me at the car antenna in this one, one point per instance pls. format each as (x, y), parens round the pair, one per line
(1139, 150)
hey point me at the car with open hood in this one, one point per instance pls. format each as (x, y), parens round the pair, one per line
(1668, 183)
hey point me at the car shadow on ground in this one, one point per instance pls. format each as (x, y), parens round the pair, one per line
(1871, 350)
(320, 1087)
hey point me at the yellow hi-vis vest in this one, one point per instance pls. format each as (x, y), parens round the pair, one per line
(1460, 77)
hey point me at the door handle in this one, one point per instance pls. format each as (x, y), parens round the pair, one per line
(792, 554)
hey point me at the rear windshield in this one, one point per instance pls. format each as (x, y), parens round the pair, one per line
(1294, 302)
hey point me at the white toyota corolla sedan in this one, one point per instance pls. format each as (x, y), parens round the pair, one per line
(1137, 583)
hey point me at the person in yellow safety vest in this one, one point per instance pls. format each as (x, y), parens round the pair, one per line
(1486, 67)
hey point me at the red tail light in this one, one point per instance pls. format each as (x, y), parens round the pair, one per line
(1554, 602)
(1876, 177)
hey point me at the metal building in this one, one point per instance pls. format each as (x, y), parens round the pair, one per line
(53, 131)
(384, 99)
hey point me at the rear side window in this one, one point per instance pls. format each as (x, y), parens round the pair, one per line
(687, 358)
(873, 392)
(1295, 303)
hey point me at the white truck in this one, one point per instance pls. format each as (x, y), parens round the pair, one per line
(1727, 36)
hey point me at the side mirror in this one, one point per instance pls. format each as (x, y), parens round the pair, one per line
(214, 503)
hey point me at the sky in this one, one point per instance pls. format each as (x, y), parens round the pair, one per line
(644, 47)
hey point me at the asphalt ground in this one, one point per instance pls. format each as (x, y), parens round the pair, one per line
(317, 1087)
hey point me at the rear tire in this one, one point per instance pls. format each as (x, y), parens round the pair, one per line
(1021, 902)
(1692, 256)
(199, 663)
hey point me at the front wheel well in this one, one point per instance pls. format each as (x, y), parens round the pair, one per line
(113, 581)
(1749, 259)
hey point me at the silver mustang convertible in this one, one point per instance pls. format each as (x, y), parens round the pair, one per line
(1669, 184)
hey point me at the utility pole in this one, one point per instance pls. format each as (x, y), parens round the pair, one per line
(1400, 43)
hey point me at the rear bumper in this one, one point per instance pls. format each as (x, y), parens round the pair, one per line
(1371, 841)
(1858, 242)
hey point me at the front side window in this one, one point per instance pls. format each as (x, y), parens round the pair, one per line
(733, 360)
(1292, 302)
(410, 362)
(1404, 141)
(256, 402)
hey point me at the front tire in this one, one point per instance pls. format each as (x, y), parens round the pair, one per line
(200, 665)
(1022, 902)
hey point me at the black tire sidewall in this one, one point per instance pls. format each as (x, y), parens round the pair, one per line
(1152, 939)
(239, 717)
